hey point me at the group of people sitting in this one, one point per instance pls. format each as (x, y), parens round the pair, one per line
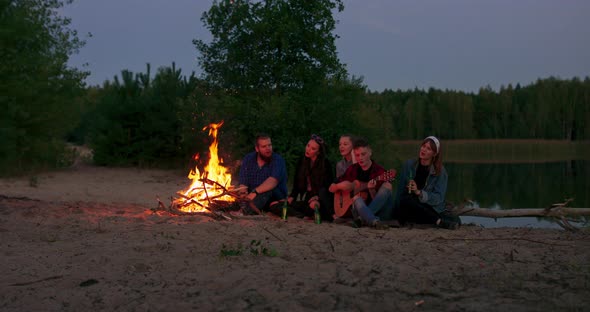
(361, 191)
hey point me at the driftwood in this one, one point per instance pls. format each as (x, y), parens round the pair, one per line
(526, 212)
(557, 211)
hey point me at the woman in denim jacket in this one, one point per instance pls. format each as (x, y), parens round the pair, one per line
(422, 187)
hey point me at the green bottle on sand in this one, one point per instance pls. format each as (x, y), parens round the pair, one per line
(317, 218)
(284, 212)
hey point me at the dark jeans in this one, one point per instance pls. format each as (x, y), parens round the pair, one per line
(412, 210)
(262, 201)
(326, 205)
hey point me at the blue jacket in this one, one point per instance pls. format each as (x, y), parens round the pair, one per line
(434, 191)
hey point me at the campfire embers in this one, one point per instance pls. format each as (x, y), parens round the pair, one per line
(210, 191)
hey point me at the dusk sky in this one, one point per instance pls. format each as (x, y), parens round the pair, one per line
(445, 44)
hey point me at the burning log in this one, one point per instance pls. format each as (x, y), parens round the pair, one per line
(189, 201)
(215, 207)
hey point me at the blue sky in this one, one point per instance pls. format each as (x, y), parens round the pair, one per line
(445, 44)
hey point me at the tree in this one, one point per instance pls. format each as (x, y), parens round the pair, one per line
(271, 45)
(39, 90)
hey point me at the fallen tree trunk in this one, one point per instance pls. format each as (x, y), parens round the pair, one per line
(525, 212)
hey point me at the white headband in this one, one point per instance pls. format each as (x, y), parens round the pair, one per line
(436, 142)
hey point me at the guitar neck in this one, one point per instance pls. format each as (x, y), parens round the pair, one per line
(384, 177)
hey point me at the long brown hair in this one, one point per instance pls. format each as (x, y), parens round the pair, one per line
(316, 171)
(437, 161)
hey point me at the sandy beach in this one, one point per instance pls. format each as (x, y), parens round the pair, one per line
(90, 238)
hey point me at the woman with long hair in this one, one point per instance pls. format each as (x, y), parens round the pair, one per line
(345, 147)
(313, 175)
(422, 186)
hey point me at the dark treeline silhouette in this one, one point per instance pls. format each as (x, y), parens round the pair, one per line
(139, 121)
(551, 108)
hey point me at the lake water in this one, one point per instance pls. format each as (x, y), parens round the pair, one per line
(519, 185)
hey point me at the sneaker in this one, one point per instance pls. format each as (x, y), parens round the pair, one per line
(449, 221)
(338, 220)
(392, 223)
(357, 223)
(378, 225)
(448, 224)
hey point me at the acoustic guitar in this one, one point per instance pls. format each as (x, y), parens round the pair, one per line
(343, 199)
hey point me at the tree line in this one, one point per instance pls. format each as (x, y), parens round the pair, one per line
(550, 108)
(164, 117)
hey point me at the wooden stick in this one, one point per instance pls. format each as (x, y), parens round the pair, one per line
(499, 238)
(37, 281)
(331, 245)
(271, 233)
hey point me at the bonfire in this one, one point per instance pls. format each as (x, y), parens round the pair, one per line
(210, 189)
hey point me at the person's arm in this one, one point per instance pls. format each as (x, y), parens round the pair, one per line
(243, 174)
(268, 185)
(434, 193)
(345, 182)
(278, 174)
(329, 174)
(402, 182)
(295, 191)
(373, 185)
(242, 180)
(341, 186)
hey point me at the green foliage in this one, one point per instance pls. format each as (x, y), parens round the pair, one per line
(38, 90)
(273, 46)
(141, 122)
(255, 248)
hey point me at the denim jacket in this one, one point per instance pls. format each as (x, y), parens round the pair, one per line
(434, 191)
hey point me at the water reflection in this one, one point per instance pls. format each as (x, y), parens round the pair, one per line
(507, 186)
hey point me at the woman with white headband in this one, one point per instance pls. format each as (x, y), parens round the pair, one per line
(422, 186)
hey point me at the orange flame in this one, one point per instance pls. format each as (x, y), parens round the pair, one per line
(197, 197)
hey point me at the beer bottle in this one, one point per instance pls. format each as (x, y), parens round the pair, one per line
(285, 207)
(410, 177)
(317, 218)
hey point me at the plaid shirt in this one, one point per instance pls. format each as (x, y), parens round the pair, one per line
(252, 176)
(352, 173)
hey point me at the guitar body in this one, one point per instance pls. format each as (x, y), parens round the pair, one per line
(343, 199)
(342, 204)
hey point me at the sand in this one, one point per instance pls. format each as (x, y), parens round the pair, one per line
(89, 239)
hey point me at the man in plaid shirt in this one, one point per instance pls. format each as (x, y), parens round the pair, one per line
(264, 174)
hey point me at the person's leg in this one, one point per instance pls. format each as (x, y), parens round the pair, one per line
(402, 211)
(326, 204)
(411, 210)
(260, 202)
(418, 212)
(425, 214)
(360, 210)
(382, 205)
